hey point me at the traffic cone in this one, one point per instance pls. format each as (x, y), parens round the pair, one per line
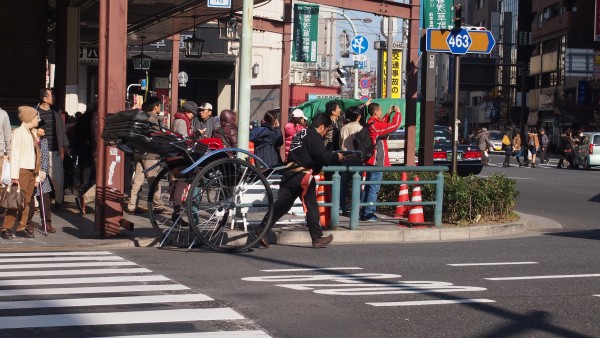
(415, 215)
(251, 149)
(323, 211)
(402, 210)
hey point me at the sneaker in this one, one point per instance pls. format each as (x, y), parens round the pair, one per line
(6, 234)
(80, 204)
(322, 242)
(371, 218)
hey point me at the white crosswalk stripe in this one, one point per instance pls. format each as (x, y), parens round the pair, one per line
(103, 295)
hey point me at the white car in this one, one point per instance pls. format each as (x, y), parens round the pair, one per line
(496, 139)
(396, 147)
(587, 154)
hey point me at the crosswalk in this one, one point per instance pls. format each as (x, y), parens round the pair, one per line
(99, 294)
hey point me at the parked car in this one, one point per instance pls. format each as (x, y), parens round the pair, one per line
(396, 147)
(468, 156)
(587, 154)
(496, 139)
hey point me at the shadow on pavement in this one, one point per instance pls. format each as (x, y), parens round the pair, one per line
(583, 234)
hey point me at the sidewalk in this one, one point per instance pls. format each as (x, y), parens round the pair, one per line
(76, 231)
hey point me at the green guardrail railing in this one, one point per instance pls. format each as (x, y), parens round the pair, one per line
(357, 182)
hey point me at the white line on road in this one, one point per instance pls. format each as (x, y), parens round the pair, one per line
(57, 253)
(219, 334)
(118, 318)
(75, 302)
(546, 277)
(310, 269)
(64, 265)
(73, 272)
(60, 259)
(92, 290)
(498, 263)
(84, 280)
(433, 302)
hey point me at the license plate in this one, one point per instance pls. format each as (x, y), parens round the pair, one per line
(449, 156)
(498, 148)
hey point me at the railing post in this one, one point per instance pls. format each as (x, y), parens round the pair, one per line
(335, 200)
(439, 199)
(355, 206)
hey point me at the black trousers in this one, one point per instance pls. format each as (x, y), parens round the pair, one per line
(289, 190)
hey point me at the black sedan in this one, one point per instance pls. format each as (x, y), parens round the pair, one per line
(468, 158)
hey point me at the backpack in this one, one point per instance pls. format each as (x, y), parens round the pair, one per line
(505, 140)
(362, 142)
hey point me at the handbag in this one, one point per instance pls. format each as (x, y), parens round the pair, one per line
(12, 197)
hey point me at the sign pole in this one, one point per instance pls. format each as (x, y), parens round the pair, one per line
(457, 26)
(390, 54)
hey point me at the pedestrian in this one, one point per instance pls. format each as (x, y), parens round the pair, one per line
(58, 143)
(332, 139)
(517, 147)
(145, 162)
(484, 144)
(227, 129)
(90, 194)
(297, 123)
(533, 143)
(508, 147)
(43, 196)
(182, 123)
(5, 138)
(205, 124)
(544, 144)
(24, 169)
(347, 134)
(379, 127)
(306, 158)
(267, 139)
(567, 146)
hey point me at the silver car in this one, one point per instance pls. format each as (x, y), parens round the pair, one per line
(496, 139)
(396, 147)
(587, 154)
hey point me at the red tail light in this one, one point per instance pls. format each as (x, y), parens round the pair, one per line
(439, 156)
(591, 149)
(472, 155)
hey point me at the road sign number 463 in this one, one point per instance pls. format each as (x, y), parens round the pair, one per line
(459, 43)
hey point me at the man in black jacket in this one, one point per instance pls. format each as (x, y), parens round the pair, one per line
(306, 158)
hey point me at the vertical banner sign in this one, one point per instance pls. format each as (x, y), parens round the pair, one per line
(306, 28)
(597, 22)
(439, 14)
(581, 92)
(396, 72)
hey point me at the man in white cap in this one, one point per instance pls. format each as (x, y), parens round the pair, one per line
(204, 122)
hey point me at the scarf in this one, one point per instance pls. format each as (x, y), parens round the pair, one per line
(183, 116)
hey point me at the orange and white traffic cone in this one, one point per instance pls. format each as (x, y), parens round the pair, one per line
(323, 211)
(402, 210)
(415, 215)
(251, 149)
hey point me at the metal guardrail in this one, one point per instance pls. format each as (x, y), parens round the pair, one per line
(357, 182)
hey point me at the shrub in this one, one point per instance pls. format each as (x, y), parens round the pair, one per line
(467, 200)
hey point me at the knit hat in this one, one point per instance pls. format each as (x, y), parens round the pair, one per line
(190, 106)
(27, 114)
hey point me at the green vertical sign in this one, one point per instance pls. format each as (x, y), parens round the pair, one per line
(306, 29)
(438, 14)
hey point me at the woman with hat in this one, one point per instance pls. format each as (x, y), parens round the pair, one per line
(24, 169)
(297, 123)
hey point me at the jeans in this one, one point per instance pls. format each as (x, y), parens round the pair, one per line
(370, 194)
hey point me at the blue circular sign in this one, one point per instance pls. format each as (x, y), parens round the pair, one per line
(459, 41)
(365, 83)
(359, 45)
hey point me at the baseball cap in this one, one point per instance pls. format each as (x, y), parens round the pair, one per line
(298, 113)
(206, 105)
(190, 106)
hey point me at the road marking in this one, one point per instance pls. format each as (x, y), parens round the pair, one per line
(118, 318)
(433, 302)
(92, 290)
(73, 272)
(62, 259)
(57, 253)
(84, 280)
(546, 277)
(64, 265)
(254, 333)
(310, 269)
(73, 302)
(486, 264)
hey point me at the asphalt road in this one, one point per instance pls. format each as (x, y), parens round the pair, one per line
(536, 286)
(568, 196)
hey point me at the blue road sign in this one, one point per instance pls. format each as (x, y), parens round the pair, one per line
(359, 44)
(459, 41)
(365, 83)
(360, 64)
